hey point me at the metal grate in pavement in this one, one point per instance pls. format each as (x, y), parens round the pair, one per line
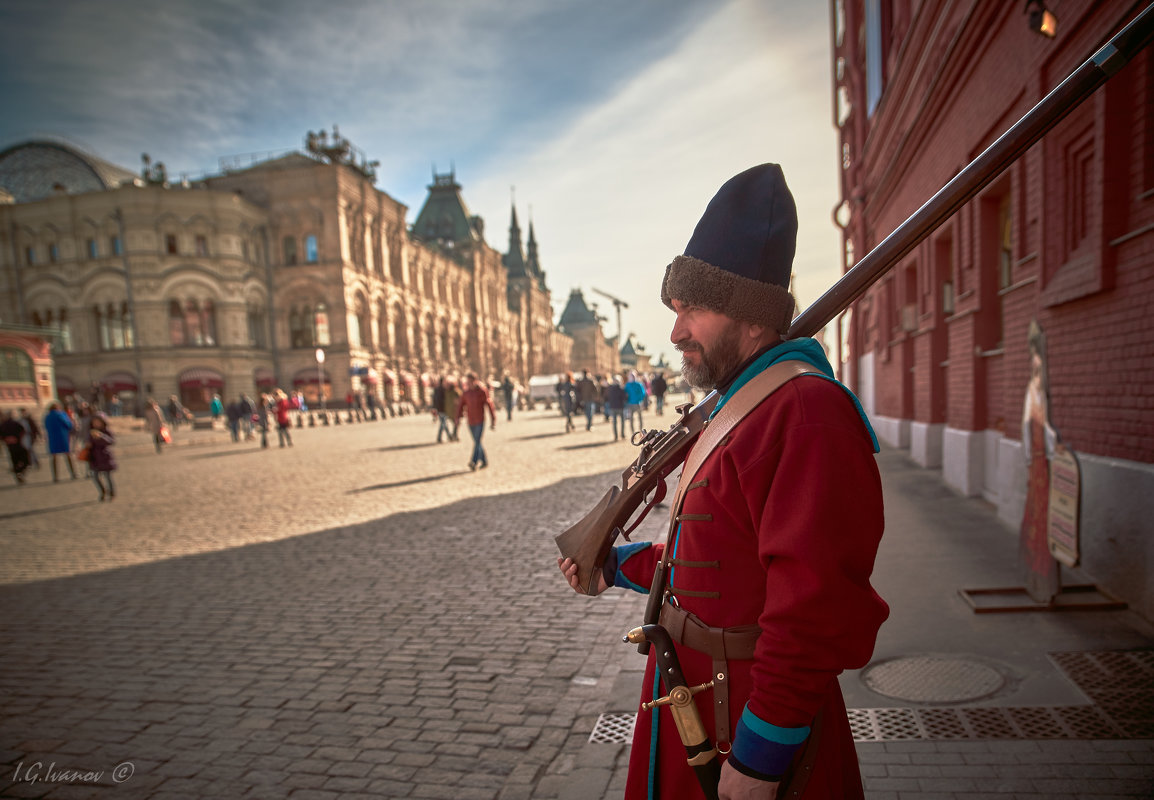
(1120, 682)
(1027, 722)
(613, 729)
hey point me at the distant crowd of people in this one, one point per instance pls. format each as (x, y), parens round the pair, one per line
(619, 398)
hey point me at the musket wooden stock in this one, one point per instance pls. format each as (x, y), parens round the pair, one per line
(588, 542)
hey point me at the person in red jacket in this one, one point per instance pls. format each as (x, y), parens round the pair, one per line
(284, 421)
(768, 561)
(474, 401)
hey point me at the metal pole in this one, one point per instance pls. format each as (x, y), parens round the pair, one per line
(138, 404)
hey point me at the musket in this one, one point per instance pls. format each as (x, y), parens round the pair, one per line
(588, 542)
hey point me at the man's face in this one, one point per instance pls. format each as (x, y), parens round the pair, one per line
(710, 344)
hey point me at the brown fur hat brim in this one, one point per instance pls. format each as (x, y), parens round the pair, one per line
(695, 282)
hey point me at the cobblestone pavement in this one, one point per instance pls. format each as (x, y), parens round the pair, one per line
(358, 615)
(362, 616)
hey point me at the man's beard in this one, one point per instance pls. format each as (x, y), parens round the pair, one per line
(715, 362)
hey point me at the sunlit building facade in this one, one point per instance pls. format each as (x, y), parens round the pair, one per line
(292, 271)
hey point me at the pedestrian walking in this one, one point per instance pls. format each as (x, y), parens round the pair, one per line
(12, 432)
(615, 405)
(507, 390)
(474, 401)
(216, 407)
(31, 437)
(58, 429)
(248, 416)
(764, 580)
(634, 398)
(439, 415)
(587, 396)
(566, 399)
(154, 422)
(100, 460)
(283, 418)
(452, 404)
(80, 431)
(264, 408)
(659, 386)
(232, 414)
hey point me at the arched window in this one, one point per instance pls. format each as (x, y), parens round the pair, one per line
(301, 326)
(115, 321)
(257, 326)
(177, 335)
(208, 323)
(192, 323)
(64, 328)
(321, 325)
(101, 320)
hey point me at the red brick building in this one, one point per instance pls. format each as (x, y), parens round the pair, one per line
(1065, 237)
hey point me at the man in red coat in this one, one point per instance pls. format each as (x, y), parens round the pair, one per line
(474, 402)
(769, 556)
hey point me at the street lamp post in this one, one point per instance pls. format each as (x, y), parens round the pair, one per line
(321, 379)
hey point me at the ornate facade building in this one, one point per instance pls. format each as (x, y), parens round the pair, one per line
(292, 272)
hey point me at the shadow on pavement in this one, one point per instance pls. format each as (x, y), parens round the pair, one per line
(410, 482)
(433, 629)
(35, 511)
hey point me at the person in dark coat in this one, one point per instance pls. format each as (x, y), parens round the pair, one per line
(58, 427)
(100, 460)
(12, 432)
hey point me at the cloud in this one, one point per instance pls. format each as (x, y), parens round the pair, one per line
(616, 121)
(617, 195)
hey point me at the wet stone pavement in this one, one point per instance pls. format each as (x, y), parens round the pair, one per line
(356, 616)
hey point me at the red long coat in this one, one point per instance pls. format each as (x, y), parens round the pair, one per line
(796, 505)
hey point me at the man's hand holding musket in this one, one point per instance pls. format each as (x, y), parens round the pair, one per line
(763, 584)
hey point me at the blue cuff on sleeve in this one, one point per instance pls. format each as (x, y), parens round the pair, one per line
(624, 553)
(764, 747)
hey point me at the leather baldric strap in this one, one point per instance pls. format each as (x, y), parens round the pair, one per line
(737, 408)
(721, 644)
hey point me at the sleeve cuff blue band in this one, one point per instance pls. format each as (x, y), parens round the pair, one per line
(765, 747)
(624, 553)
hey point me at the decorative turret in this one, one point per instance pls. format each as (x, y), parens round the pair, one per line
(515, 258)
(444, 220)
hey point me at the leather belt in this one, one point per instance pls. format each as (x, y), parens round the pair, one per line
(721, 645)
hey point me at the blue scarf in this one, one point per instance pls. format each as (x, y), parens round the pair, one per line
(807, 350)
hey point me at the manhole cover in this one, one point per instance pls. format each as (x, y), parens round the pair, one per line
(933, 679)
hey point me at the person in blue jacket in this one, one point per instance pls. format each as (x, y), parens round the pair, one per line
(58, 427)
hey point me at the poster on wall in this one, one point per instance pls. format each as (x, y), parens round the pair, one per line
(1065, 491)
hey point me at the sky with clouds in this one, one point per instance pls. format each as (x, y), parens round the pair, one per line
(615, 122)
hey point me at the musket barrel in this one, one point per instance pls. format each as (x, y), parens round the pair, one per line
(1063, 99)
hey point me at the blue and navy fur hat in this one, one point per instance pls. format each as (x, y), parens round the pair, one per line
(739, 260)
